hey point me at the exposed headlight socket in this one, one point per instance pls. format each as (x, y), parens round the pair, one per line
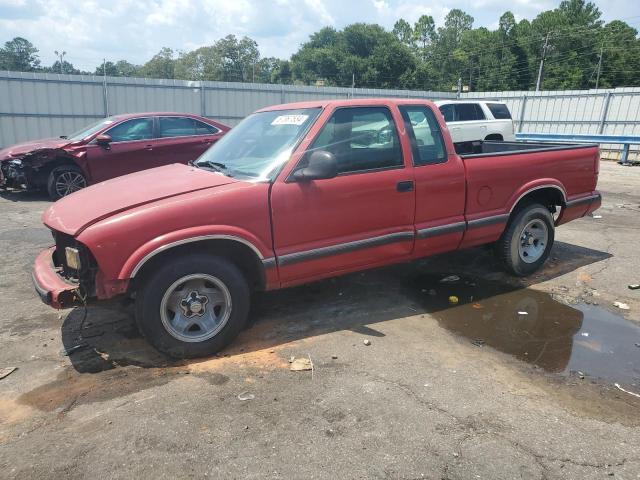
(73, 258)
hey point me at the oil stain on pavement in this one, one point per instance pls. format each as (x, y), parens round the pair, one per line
(584, 340)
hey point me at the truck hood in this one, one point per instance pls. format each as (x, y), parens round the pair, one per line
(74, 213)
(16, 151)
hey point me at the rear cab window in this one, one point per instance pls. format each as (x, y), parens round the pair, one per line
(362, 139)
(499, 111)
(427, 143)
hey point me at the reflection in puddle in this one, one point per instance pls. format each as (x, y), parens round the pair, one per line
(532, 326)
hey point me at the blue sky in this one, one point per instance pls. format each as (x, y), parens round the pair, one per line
(136, 29)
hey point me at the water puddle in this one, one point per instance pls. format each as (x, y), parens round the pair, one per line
(535, 328)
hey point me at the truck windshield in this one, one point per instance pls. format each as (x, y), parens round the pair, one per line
(259, 145)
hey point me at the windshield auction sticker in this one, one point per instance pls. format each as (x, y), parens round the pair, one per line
(289, 120)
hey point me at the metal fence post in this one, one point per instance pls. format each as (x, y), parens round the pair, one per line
(105, 97)
(605, 110)
(203, 101)
(522, 109)
(624, 160)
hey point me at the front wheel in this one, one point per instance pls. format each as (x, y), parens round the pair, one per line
(193, 306)
(65, 180)
(527, 241)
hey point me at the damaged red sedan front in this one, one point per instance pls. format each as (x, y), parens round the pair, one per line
(109, 148)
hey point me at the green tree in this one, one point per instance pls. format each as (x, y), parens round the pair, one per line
(65, 67)
(238, 58)
(126, 69)
(424, 34)
(203, 63)
(19, 55)
(162, 65)
(403, 32)
(361, 51)
(619, 45)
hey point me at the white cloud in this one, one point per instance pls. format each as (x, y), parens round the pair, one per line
(136, 29)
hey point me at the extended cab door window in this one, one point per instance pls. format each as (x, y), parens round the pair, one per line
(427, 144)
(132, 130)
(362, 139)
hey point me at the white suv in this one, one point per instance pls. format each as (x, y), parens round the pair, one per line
(472, 120)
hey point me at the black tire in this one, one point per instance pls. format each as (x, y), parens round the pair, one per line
(58, 174)
(508, 247)
(156, 283)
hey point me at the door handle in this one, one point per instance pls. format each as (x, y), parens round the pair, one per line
(148, 147)
(405, 186)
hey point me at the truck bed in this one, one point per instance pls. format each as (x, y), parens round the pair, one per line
(500, 172)
(490, 148)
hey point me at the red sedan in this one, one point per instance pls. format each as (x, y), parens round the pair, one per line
(109, 148)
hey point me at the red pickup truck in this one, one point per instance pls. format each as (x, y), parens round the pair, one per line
(300, 192)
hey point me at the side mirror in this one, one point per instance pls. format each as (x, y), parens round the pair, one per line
(103, 140)
(321, 165)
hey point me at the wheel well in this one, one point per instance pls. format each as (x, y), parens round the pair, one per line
(43, 173)
(550, 197)
(494, 136)
(238, 253)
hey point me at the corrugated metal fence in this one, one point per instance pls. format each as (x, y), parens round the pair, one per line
(37, 105)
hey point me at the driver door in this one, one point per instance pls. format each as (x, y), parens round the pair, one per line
(362, 217)
(130, 150)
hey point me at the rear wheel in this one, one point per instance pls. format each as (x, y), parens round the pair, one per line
(193, 306)
(65, 180)
(527, 241)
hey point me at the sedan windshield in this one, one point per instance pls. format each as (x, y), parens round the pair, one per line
(90, 129)
(259, 145)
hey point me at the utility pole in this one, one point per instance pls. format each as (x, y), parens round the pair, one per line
(353, 84)
(459, 87)
(544, 56)
(60, 56)
(599, 65)
(104, 87)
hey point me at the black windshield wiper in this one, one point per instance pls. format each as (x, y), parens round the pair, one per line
(217, 166)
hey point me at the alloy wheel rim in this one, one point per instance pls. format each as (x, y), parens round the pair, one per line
(69, 182)
(195, 308)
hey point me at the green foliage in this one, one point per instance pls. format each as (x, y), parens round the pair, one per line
(20, 55)
(418, 56)
(375, 57)
(121, 68)
(162, 65)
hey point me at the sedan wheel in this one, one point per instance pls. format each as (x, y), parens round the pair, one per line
(69, 182)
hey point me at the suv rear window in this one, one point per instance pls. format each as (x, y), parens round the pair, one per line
(499, 111)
